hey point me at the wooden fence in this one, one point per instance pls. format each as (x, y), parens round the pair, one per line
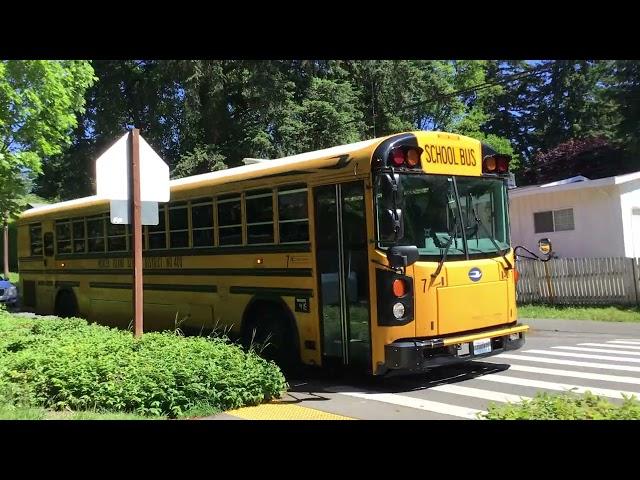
(579, 281)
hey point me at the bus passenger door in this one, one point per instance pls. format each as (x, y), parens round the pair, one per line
(341, 258)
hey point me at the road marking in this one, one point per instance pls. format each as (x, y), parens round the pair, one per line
(601, 350)
(575, 374)
(573, 363)
(417, 403)
(526, 382)
(283, 411)
(609, 345)
(584, 355)
(626, 342)
(479, 393)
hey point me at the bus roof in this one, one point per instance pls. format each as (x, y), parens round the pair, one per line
(304, 161)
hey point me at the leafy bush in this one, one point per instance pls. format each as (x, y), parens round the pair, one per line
(68, 363)
(566, 406)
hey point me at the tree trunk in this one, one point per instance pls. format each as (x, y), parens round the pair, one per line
(5, 246)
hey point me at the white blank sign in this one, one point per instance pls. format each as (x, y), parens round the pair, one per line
(119, 214)
(112, 173)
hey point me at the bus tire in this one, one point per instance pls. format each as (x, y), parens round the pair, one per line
(66, 305)
(269, 329)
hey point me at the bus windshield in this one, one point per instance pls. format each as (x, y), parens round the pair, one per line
(435, 213)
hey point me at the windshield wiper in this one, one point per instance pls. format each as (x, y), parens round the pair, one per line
(452, 237)
(479, 223)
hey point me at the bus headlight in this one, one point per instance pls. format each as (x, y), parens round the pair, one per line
(398, 310)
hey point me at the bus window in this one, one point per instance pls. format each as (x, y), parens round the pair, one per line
(178, 226)
(293, 217)
(157, 235)
(63, 236)
(202, 223)
(116, 237)
(95, 234)
(229, 220)
(259, 208)
(35, 238)
(79, 236)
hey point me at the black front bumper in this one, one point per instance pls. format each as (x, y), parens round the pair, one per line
(419, 355)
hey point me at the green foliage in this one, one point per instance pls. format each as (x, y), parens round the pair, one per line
(38, 103)
(566, 406)
(39, 100)
(68, 363)
(200, 114)
(202, 159)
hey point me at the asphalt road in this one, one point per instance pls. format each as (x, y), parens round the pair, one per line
(559, 355)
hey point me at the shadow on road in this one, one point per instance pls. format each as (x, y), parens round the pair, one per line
(314, 385)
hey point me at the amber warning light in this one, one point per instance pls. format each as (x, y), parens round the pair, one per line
(496, 164)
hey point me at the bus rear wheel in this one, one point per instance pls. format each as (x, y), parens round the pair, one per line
(270, 334)
(66, 305)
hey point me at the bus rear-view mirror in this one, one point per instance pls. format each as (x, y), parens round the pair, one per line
(391, 225)
(391, 189)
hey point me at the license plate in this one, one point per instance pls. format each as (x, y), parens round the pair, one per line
(481, 346)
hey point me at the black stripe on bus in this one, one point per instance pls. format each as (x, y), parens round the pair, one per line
(67, 284)
(192, 252)
(284, 292)
(158, 287)
(246, 272)
(31, 259)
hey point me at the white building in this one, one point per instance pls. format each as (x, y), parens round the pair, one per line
(581, 217)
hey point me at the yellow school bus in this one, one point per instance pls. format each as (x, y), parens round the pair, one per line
(389, 254)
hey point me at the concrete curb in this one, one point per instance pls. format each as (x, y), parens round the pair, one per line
(583, 326)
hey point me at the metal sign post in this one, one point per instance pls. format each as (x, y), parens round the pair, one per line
(134, 178)
(137, 232)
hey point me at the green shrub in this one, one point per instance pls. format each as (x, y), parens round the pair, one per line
(68, 363)
(566, 406)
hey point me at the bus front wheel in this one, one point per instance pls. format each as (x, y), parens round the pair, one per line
(269, 333)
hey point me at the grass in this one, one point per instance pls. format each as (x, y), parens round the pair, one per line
(66, 368)
(565, 406)
(12, 412)
(605, 313)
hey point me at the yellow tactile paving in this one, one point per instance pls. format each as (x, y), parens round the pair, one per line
(283, 411)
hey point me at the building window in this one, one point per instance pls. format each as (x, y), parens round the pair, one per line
(553, 221)
(229, 220)
(293, 214)
(202, 222)
(95, 234)
(259, 211)
(157, 235)
(178, 225)
(35, 237)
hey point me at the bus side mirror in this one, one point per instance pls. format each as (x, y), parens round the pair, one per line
(391, 190)
(544, 245)
(391, 225)
(402, 256)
